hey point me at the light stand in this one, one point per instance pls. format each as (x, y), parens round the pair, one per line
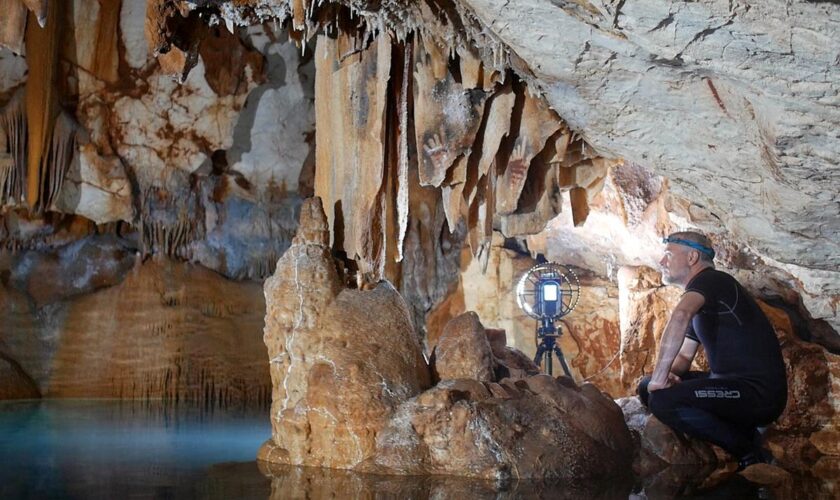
(548, 292)
(549, 338)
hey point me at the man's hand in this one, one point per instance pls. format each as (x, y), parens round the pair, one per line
(673, 379)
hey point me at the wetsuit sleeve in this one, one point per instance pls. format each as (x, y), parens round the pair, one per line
(706, 284)
(690, 333)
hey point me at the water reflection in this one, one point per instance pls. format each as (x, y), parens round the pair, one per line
(113, 449)
(314, 483)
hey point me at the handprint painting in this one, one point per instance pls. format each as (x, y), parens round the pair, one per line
(447, 116)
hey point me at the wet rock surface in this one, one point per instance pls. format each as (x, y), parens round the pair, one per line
(809, 428)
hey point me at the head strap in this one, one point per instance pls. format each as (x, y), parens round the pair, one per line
(697, 246)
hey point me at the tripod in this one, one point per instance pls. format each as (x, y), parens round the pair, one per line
(548, 334)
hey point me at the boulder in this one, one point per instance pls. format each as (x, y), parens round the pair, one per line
(341, 360)
(657, 445)
(810, 425)
(539, 427)
(510, 362)
(463, 351)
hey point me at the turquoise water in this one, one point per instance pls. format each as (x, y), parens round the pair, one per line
(120, 449)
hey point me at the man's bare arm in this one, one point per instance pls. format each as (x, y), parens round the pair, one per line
(682, 363)
(672, 339)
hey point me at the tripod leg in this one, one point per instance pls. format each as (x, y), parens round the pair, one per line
(540, 350)
(549, 362)
(562, 359)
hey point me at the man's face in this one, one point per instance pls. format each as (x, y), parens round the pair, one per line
(674, 264)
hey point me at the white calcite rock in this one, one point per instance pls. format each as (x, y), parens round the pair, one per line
(12, 70)
(96, 187)
(132, 21)
(270, 137)
(159, 130)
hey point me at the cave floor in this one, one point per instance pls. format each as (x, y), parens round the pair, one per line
(141, 449)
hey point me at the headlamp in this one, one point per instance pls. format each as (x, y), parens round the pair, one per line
(697, 246)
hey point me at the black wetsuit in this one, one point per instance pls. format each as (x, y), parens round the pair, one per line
(747, 385)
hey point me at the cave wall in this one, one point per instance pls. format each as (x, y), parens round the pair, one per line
(158, 329)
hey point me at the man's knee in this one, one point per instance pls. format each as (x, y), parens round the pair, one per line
(662, 407)
(642, 390)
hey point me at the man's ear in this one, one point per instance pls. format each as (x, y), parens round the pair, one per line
(693, 257)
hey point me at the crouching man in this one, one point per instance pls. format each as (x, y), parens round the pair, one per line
(747, 386)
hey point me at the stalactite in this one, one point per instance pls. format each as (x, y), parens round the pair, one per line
(60, 152)
(402, 148)
(350, 142)
(13, 169)
(170, 223)
(41, 10)
(42, 106)
(12, 25)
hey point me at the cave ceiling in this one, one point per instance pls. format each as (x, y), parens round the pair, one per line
(735, 104)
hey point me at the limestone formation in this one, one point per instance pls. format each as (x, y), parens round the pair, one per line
(537, 427)
(590, 340)
(706, 73)
(341, 399)
(158, 329)
(350, 140)
(147, 146)
(595, 85)
(657, 446)
(463, 351)
(341, 360)
(510, 362)
(810, 424)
